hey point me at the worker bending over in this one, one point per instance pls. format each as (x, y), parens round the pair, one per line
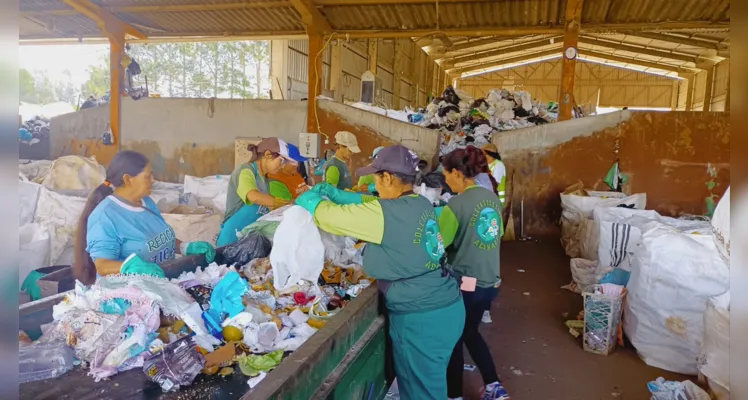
(472, 229)
(336, 171)
(404, 253)
(121, 230)
(249, 197)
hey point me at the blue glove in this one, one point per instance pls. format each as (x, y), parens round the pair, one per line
(323, 189)
(135, 265)
(341, 197)
(197, 248)
(372, 188)
(309, 200)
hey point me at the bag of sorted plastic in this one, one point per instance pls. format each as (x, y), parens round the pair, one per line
(254, 245)
(176, 365)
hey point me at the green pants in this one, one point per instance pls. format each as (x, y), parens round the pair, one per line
(422, 344)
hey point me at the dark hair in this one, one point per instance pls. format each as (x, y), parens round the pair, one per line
(125, 162)
(496, 156)
(471, 162)
(406, 179)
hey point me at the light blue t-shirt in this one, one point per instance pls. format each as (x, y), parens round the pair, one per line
(116, 230)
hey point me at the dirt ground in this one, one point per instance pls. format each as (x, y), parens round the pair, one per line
(536, 357)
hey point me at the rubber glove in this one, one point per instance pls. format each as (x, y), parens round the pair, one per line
(323, 189)
(372, 188)
(343, 197)
(309, 200)
(197, 248)
(31, 287)
(135, 265)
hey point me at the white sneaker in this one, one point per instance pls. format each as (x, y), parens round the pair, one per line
(486, 317)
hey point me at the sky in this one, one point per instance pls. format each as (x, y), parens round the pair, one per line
(53, 60)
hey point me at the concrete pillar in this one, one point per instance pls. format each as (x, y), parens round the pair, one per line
(572, 25)
(279, 69)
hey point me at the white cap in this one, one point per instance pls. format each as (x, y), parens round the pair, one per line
(347, 139)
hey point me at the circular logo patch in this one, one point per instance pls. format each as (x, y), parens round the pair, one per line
(487, 227)
(432, 241)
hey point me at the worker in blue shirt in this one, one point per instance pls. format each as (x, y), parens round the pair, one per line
(121, 230)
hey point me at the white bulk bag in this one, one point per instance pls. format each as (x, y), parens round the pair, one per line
(582, 275)
(195, 227)
(210, 191)
(298, 252)
(28, 195)
(714, 362)
(34, 248)
(721, 226)
(74, 173)
(618, 234)
(673, 275)
(59, 213)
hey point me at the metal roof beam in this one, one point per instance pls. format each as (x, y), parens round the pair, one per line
(169, 8)
(500, 51)
(679, 40)
(478, 43)
(383, 2)
(315, 22)
(106, 21)
(507, 61)
(633, 61)
(639, 50)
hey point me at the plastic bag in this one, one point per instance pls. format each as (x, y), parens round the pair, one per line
(714, 358)
(177, 365)
(227, 296)
(254, 245)
(721, 226)
(74, 173)
(34, 248)
(28, 195)
(298, 252)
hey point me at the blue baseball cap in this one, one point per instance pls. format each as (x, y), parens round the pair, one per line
(295, 154)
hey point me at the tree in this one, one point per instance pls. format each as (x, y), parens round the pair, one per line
(26, 86)
(98, 80)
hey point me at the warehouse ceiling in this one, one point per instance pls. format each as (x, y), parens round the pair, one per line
(464, 35)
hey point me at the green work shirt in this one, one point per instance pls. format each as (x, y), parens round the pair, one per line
(404, 247)
(242, 181)
(338, 174)
(471, 227)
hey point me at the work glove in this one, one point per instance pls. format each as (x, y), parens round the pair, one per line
(323, 189)
(372, 188)
(135, 265)
(197, 248)
(342, 197)
(309, 201)
(31, 287)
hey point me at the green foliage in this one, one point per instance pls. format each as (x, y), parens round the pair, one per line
(37, 88)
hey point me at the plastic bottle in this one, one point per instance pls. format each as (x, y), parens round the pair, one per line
(44, 361)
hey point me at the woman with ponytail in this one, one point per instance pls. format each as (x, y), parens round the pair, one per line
(471, 228)
(121, 229)
(249, 196)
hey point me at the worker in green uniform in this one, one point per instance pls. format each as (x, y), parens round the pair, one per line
(472, 229)
(248, 197)
(336, 169)
(405, 254)
(366, 182)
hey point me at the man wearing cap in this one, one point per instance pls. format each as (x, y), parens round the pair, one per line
(497, 168)
(288, 183)
(405, 254)
(366, 182)
(336, 170)
(249, 197)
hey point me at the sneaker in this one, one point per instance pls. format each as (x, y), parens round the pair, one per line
(494, 391)
(486, 317)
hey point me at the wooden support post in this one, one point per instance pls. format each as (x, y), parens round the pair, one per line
(314, 87)
(708, 67)
(116, 76)
(569, 59)
(397, 74)
(373, 56)
(673, 97)
(727, 96)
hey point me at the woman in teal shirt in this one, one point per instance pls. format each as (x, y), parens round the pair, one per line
(404, 252)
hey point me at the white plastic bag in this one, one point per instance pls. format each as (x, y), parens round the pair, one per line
(210, 191)
(59, 213)
(714, 361)
(673, 275)
(298, 252)
(195, 227)
(28, 195)
(721, 226)
(583, 274)
(34, 248)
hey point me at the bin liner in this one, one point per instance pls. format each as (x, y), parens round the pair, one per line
(254, 245)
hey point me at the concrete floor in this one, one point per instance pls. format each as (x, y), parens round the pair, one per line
(536, 357)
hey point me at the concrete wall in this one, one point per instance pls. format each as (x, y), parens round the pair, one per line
(180, 136)
(680, 159)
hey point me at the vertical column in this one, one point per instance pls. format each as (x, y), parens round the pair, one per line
(315, 81)
(708, 87)
(397, 73)
(690, 77)
(569, 59)
(673, 97)
(373, 56)
(727, 96)
(116, 74)
(279, 68)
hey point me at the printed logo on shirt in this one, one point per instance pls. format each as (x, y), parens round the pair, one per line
(486, 220)
(163, 245)
(429, 236)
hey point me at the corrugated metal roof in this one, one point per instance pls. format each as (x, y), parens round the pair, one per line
(245, 17)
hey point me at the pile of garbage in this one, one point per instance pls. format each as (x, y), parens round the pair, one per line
(465, 120)
(247, 314)
(33, 130)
